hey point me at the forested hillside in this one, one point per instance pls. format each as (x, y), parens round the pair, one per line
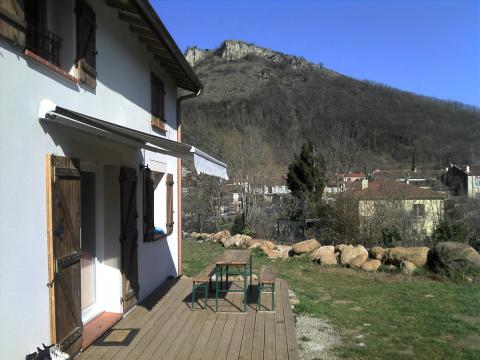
(356, 124)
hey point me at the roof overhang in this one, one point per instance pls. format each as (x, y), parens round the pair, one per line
(204, 163)
(144, 22)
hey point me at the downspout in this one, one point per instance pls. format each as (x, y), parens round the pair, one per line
(179, 175)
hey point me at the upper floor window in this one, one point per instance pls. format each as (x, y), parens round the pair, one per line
(39, 39)
(86, 47)
(158, 103)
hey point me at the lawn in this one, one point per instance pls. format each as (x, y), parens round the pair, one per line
(379, 316)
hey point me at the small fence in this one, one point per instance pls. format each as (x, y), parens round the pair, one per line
(290, 231)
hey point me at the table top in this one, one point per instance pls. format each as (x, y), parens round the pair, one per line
(234, 257)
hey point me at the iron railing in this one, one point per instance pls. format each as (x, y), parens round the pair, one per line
(43, 43)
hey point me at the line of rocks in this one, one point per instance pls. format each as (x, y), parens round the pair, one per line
(444, 258)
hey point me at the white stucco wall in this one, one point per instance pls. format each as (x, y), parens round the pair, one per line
(122, 96)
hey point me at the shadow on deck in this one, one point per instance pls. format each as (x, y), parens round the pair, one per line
(165, 327)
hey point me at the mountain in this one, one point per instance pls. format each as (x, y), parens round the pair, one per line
(356, 124)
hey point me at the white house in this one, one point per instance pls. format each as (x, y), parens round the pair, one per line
(90, 150)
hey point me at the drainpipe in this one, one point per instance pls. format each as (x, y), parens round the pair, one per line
(179, 175)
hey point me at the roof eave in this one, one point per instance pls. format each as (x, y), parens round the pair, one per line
(157, 25)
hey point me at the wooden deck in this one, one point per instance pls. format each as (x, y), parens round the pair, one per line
(165, 327)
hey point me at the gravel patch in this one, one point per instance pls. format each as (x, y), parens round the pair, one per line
(316, 338)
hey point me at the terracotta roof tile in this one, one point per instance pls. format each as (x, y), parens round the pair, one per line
(395, 190)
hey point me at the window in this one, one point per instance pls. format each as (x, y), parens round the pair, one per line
(158, 103)
(86, 48)
(39, 39)
(419, 210)
(151, 230)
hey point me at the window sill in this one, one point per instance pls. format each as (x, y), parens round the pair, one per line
(31, 55)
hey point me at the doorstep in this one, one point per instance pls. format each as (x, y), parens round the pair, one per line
(98, 326)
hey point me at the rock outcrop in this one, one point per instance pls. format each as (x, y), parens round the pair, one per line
(234, 50)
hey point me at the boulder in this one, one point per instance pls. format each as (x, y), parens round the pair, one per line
(227, 242)
(241, 241)
(416, 255)
(453, 258)
(359, 260)
(391, 268)
(371, 265)
(408, 268)
(283, 251)
(378, 252)
(305, 246)
(340, 247)
(350, 252)
(325, 255)
(221, 236)
(200, 236)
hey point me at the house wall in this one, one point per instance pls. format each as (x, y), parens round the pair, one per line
(427, 224)
(473, 184)
(122, 96)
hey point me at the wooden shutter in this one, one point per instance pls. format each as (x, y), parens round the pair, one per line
(148, 206)
(12, 21)
(157, 103)
(170, 221)
(129, 237)
(63, 209)
(86, 45)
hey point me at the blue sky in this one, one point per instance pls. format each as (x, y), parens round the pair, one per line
(428, 47)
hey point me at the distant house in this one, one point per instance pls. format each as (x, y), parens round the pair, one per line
(338, 183)
(390, 202)
(91, 153)
(463, 181)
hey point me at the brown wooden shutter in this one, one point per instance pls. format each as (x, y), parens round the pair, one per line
(170, 221)
(63, 209)
(86, 44)
(148, 206)
(129, 237)
(12, 21)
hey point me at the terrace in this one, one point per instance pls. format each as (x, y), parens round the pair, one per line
(165, 327)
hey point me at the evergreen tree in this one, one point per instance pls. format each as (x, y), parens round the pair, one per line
(306, 179)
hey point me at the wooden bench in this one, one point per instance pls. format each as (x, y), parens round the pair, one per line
(266, 285)
(203, 280)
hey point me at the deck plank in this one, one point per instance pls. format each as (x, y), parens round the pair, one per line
(259, 337)
(291, 335)
(269, 347)
(226, 337)
(280, 331)
(217, 331)
(202, 340)
(247, 339)
(236, 343)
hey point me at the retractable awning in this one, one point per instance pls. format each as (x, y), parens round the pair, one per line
(203, 162)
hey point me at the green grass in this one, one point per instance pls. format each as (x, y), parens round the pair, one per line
(399, 316)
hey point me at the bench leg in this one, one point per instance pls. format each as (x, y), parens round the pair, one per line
(193, 295)
(259, 295)
(273, 296)
(206, 296)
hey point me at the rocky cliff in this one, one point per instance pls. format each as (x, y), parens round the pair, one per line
(234, 50)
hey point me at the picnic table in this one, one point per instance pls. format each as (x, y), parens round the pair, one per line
(241, 262)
